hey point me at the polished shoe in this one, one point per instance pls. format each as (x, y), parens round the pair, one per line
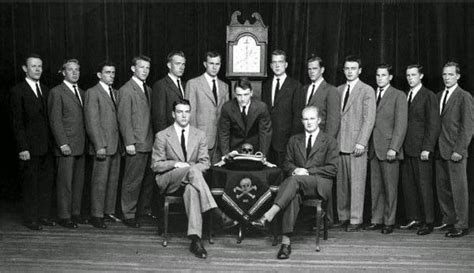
(387, 229)
(444, 227)
(260, 223)
(413, 224)
(78, 219)
(47, 222)
(341, 224)
(33, 225)
(198, 249)
(353, 227)
(457, 232)
(132, 222)
(111, 218)
(425, 229)
(67, 223)
(98, 222)
(284, 252)
(373, 227)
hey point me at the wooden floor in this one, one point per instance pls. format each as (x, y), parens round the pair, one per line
(122, 249)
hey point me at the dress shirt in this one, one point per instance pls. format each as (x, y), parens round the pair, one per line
(175, 81)
(316, 84)
(414, 91)
(106, 88)
(451, 90)
(179, 131)
(32, 84)
(71, 88)
(313, 139)
(383, 90)
(139, 82)
(209, 81)
(246, 108)
(274, 83)
(351, 87)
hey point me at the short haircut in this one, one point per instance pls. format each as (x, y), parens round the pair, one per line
(243, 83)
(310, 108)
(417, 66)
(31, 55)
(455, 64)
(386, 66)
(170, 55)
(353, 58)
(181, 101)
(140, 58)
(211, 54)
(315, 58)
(279, 52)
(104, 64)
(69, 61)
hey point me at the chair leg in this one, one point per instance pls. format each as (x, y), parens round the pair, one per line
(166, 210)
(319, 212)
(325, 221)
(274, 232)
(211, 229)
(240, 235)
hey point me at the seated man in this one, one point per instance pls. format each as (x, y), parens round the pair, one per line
(311, 163)
(180, 157)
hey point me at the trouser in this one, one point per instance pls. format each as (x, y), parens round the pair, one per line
(384, 189)
(133, 178)
(70, 183)
(104, 183)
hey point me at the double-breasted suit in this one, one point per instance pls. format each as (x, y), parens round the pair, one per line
(66, 118)
(164, 93)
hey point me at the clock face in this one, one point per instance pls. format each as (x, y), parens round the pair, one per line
(246, 55)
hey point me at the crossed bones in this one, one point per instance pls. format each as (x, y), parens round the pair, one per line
(245, 191)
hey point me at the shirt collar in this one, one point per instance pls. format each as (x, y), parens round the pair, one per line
(281, 77)
(138, 81)
(352, 84)
(246, 106)
(173, 77)
(415, 90)
(70, 85)
(452, 88)
(105, 86)
(179, 129)
(383, 88)
(314, 134)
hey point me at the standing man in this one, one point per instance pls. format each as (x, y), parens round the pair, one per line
(280, 93)
(100, 111)
(135, 126)
(419, 146)
(207, 94)
(386, 150)
(66, 117)
(357, 122)
(166, 91)
(244, 120)
(33, 143)
(457, 127)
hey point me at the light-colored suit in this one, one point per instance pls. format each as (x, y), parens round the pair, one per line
(135, 126)
(389, 133)
(166, 153)
(205, 113)
(357, 122)
(102, 127)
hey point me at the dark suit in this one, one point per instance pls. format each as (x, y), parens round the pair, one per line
(32, 134)
(282, 114)
(322, 167)
(422, 134)
(66, 118)
(233, 132)
(164, 93)
(457, 127)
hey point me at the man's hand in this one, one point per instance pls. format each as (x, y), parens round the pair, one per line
(456, 157)
(181, 165)
(130, 149)
(391, 155)
(300, 171)
(425, 155)
(65, 150)
(24, 155)
(359, 150)
(101, 154)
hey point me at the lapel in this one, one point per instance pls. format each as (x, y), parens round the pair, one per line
(192, 142)
(138, 90)
(284, 88)
(301, 145)
(355, 93)
(105, 95)
(451, 100)
(236, 112)
(418, 96)
(174, 143)
(251, 115)
(317, 92)
(318, 143)
(172, 86)
(70, 94)
(207, 89)
(386, 97)
(267, 92)
(31, 93)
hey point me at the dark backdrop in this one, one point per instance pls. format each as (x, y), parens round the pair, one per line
(397, 32)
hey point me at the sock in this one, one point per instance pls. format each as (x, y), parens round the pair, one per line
(194, 238)
(270, 214)
(285, 240)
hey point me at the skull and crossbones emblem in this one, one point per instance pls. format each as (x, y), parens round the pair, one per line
(244, 189)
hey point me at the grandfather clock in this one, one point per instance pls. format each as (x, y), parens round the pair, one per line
(247, 51)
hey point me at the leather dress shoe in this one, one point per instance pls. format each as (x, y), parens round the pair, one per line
(132, 222)
(260, 223)
(353, 227)
(387, 229)
(67, 223)
(33, 225)
(284, 252)
(111, 218)
(373, 227)
(47, 222)
(444, 227)
(78, 219)
(198, 249)
(425, 229)
(413, 224)
(341, 224)
(457, 232)
(98, 222)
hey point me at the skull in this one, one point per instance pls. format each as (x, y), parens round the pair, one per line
(245, 184)
(246, 148)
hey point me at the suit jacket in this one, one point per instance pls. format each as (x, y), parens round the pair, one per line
(390, 124)
(322, 160)
(134, 116)
(205, 113)
(164, 93)
(30, 119)
(457, 124)
(233, 132)
(328, 101)
(283, 111)
(167, 152)
(66, 118)
(358, 118)
(423, 123)
(101, 120)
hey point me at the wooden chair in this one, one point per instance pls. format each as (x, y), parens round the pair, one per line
(319, 205)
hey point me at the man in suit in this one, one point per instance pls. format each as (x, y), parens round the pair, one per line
(385, 150)
(207, 94)
(357, 122)
(244, 120)
(280, 93)
(135, 126)
(179, 158)
(65, 104)
(100, 112)
(457, 127)
(419, 146)
(166, 91)
(311, 164)
(29, 102)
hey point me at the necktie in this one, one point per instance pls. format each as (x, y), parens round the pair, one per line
(346, 97)
(214, 90)
(179, 87)
(445, 100)
(77, 94)
(111, 92)
(410, 96)
(308, 146)
(311, 95)
(244, 115)
(38, 93)
(146, 93)
(183, 145)
(380, 96)
(277, 89)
